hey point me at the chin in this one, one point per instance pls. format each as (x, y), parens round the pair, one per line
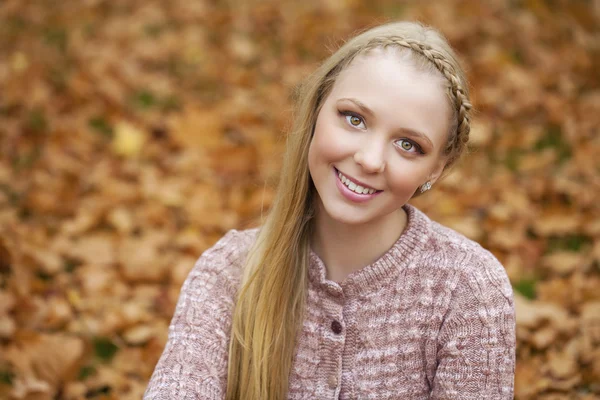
(338, 214)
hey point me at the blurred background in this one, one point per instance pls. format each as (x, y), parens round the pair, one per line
(134, 134)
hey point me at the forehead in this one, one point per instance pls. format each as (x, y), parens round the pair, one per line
(399, 94)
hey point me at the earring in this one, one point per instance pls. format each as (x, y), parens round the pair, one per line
(425, 187)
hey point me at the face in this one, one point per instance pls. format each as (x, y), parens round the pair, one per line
(383, 127)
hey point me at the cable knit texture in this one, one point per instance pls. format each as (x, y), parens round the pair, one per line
(432, 318)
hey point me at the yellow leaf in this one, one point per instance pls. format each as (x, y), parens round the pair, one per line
(19, 61)
(128, 139)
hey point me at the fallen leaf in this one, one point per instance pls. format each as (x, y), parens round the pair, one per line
(138, 335)
(98, 248)
(143, 258)
(128, 140)
(564, 262)
(42, 362)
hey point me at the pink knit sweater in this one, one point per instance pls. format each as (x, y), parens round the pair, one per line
(433, 318)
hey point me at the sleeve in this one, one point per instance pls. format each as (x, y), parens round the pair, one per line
(193, 364)
(477, 340)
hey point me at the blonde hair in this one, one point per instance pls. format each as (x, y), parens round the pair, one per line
(269, 309)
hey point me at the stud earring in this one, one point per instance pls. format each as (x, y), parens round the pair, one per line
(425, 187)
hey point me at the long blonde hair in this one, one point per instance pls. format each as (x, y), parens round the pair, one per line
(269, 308)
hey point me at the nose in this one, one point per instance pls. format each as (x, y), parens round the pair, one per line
(370, 157)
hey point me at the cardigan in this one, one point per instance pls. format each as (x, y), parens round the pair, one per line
(432, 318)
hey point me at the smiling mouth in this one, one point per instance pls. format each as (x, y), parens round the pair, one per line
(355, 187)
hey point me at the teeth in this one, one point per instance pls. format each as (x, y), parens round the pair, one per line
(354, 187)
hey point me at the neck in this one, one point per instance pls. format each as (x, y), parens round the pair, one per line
(347, 248)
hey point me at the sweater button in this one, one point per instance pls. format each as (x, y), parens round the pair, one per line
(332, 381)
(336, 327)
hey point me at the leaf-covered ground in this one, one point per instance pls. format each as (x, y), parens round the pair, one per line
(134, 134)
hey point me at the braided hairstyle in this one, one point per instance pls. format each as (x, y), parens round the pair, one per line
(431, 52)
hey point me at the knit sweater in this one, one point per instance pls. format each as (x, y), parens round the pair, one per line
(432, 318)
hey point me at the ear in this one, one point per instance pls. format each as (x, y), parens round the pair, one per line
(438, 170)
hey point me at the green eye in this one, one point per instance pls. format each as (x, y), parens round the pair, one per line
(409, 146)
(406, 145)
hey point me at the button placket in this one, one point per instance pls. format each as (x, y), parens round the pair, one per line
(334, 309)
(338, 338)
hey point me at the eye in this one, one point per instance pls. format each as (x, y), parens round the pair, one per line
(409, 146)
(353, 119)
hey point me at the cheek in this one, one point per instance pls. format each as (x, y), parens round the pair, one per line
(406, 176)
(327, 144)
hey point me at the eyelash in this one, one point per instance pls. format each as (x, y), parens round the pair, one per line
(346, 114)
(352, 114)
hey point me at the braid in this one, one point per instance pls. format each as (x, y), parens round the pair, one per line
(457, 92)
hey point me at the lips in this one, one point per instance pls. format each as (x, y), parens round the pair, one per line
(356, 181)
(350, 194)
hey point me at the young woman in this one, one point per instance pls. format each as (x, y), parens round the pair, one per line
(347, 291)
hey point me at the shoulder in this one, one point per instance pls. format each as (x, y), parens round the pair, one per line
(465, 261)
(222, 263)
(230, 250)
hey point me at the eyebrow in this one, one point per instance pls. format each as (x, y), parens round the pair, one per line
(368, 111)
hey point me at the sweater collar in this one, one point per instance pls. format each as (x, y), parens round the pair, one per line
(373, 277)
